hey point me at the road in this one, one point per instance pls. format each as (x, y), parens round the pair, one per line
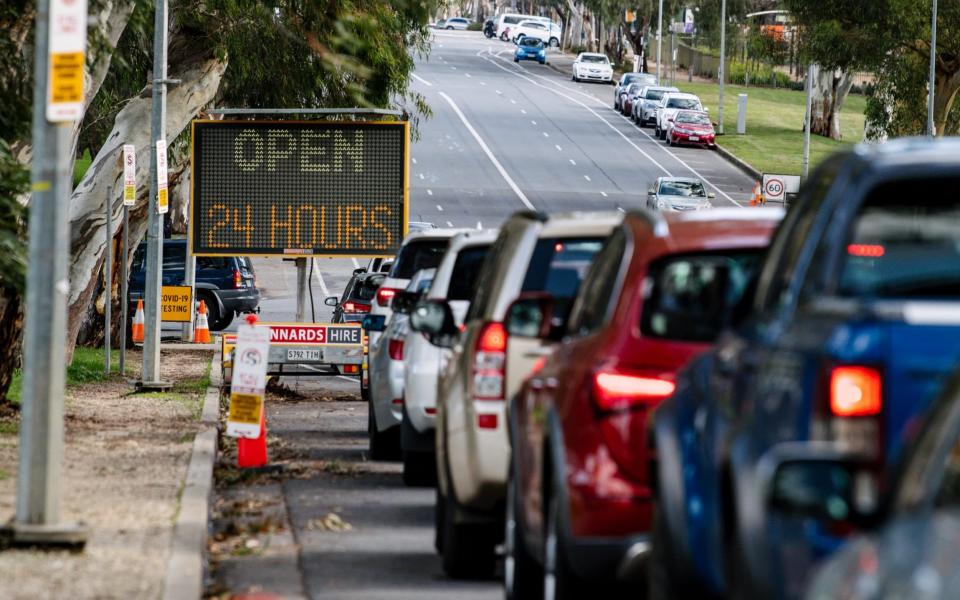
(502, 137)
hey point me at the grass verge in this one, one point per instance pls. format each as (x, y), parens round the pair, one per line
(87, 366)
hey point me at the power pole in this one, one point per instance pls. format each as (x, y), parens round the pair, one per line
(931, 130)
(805, 163)
(722, 71)
(659, 41)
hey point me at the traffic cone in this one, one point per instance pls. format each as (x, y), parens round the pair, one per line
(757, 198)
(253, 452)
(201, 333)
(137, 329)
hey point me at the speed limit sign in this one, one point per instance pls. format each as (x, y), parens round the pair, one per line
(780, 188)
(773, 189)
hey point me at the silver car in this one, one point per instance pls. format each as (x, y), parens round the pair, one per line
(678, 193)
(645, 107)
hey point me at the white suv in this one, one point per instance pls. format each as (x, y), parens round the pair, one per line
(455, 282)
(670, 103)
(534, 254)
(547, 32)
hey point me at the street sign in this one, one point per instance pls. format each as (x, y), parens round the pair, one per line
(163, 202)
(176, 303)
(780, 188)
(249, 381)
(67, 56)
(298, 188)
(129, 175)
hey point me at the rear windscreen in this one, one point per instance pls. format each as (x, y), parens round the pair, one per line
(366, 288)
(417, 255)
(558, 265)
(905, 243)
(690, 298)
(466, 271)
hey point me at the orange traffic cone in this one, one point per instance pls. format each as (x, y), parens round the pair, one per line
(137, 329)
(253, 452)
(757, 198)
(201, 333)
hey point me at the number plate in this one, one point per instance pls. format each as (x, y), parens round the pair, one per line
(296, 354)
(694, 138)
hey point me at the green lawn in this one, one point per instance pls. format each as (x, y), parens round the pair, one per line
(87, 366)
(80, 167)
(774, 139)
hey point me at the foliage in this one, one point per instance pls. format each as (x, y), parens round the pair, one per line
(14, 182)
(475, 26)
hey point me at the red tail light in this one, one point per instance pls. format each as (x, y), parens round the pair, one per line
(617, 391)
(395, 349)
(355, 307)
(237, 279)
(855, 391)
(490, 362)
(385, 295)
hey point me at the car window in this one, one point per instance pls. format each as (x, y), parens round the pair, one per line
(366, 288)
(213, 262)
(682, 188)
(559, 264)
(485, 284)
(684, 103)
(597, 293)
(174, 256)
(511, 20)
(466, 271)
(417, 255)
(654, 94)
(902, 248)
(139, 257)
(689, 298)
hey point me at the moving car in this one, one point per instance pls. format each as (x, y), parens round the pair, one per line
(533, 253)
(852, 330)
(530, 48)
(692, 128)
(386, 366)
(678, 193)
(455, 282)
(546, 31)
(670, 103)
(579, 504)
(357, 296)
(645, 107)
(227, 285)
(508, 21)
(590, 66)
(626, 79)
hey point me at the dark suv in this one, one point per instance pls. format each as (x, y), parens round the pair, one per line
(227, 285)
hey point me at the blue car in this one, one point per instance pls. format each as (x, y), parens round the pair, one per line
(530, 48)
(851, 331)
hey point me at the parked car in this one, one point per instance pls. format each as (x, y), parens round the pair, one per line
(667, 109)
(530, 48)
(626, 79)
(851, 332)
(531, 28)
(630, 97)
(645, 107)
(440, 24)
(455, 282)
(592, 67)
(457, 23)
(579, 504)
(357, 297)
(386, 366)
(227, 285)
(692, 128)
(678, 193)
(376, 265)
(533, 253)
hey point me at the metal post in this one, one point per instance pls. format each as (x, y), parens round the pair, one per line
(931, 130)
(107, 279)
(805, 165)
(722, 71)
(150, 374)
(659, 41)
(123, 291)
(38, 519)
(190, 278)
(301, 290)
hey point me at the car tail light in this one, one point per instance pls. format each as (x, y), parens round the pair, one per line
(489, 363)
(385, 295)
(855, 392)
(851, 409)
(395, 349)
(355, 307)
(237, 279)
(617, 391)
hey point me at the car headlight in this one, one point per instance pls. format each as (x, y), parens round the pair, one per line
(661, 204)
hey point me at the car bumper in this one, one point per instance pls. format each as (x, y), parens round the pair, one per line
(386, 391)
(479, 458)
(530, 57)
(240, 301)
(603, 559)
(702, 140)
(595, 76)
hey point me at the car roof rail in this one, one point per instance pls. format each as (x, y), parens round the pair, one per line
(658, 224)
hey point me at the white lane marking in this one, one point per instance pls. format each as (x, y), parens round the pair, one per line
(587, 177)
(486, 149)
(545, 134)
(439, 208)
(421, 80)
(454, 68)
(356, 263)
(483, 83)
(449, 224)
(523, 111)
(479, 225)
(421, 176)
(468, 74)
(557, 146)
(573, 162)
(414, 160)
(620, 208)
(323, 284)
(512, 101)
(429, 192)
(604, 194)
(533, 122)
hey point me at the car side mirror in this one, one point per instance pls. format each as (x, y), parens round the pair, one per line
(434, 319)
(359, 270)
(533, 315)
(403, 302)
(651, 192)
(670, 120)
(331, 301)
(711, 195)
(374, 322)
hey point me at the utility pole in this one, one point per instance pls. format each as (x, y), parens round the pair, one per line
(722, 71)
(805, 164)
(59, 58)
(659, 41)
(931, 131)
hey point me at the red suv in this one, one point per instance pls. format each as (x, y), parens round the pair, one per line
(579, 502)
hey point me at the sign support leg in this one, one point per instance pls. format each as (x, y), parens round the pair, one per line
(123, 290)
(107, 279)
(301, 290)
(190, 279)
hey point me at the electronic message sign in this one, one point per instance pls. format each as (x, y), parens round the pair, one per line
(298, 188)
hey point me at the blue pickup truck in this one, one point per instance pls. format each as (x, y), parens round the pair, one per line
(853, 327)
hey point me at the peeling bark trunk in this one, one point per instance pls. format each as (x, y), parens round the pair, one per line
(946, 87)
(830, 90)
(201, 76)
(11, 323)
(574, 31)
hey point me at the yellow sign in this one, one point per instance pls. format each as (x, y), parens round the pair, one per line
(66, 77)
(163, 204)
(245, 408)
(227, 343)
(630, 16)
(66, 55)
(176, 303)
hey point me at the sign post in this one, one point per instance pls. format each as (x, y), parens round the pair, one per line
(249, 382)
(129, 199)
(107, 278)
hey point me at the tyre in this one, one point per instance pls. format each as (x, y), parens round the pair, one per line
(664, 581)
(419, 469)
(542, 62)
(670, 140)
(503, 37)
(216, 320)
(554, 42)
(656, 131)
(384, 445)
(575, 78)
(468, 548)
(449, 27)
(522, 574)
(559, 581)
(663, 134)
(438, 521)
(515, 59)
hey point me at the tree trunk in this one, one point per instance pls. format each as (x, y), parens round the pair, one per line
(573, 31)
(830, 90)
(946, 86)
(201, 78)
(11, 323)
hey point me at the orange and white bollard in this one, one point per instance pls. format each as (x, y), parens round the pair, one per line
(201, 333)
(252, 452)
(136, 330)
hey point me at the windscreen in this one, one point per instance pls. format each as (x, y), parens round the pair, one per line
(559, 264)
(691, 297)
(466, 272)
(421, 254)
(530, 41)
(174, 256)
(906, 242)
(683, 188)
(594, 59)
(693, 118)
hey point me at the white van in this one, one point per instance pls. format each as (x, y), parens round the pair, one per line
(511, 20)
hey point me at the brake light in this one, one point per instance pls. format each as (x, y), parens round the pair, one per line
(385, 295)
(489, 363)
(866, 250)
(617, 391)
(355, 307)
(395, 349)
(237, 279)
(855, 391)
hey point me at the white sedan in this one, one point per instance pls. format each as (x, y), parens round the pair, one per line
(590, 66)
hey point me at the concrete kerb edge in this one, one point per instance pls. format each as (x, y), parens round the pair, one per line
(739, 163)
(184, 578)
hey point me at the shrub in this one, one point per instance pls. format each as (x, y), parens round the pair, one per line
(475, 27)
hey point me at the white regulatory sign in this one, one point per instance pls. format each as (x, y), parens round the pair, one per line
(163, 201)
(777, 187)
(66, 60)
(129, 174)
(249, 381)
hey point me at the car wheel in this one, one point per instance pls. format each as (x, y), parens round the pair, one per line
(656, 131)
(663, 580)
(449, 28)
(419, 469)
(216, 320)
(573, 77)
(440, 503)
(663, 134)
(515, 59)
(554, 42)
(522, 575)
(468, 548)
(559, 582)
(503, 37)
(670, 139)
(384, 445)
